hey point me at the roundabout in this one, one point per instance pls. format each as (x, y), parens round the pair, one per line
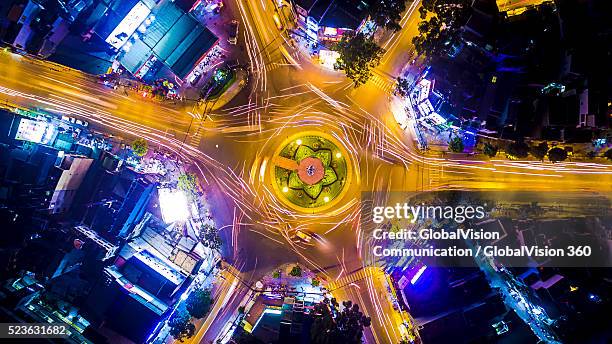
(310, 172)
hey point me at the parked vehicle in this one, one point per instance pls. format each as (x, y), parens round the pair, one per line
(233, 32)
(194, 78)
(73, 120)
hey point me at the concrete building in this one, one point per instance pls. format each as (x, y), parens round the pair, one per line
(19, 18)
(74, 169)
(173, 38)
(328, 20)
(517, 7)
(133, 207)
(148, 276)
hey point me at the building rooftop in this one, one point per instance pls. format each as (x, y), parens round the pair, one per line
(174, 37)
(335, 13)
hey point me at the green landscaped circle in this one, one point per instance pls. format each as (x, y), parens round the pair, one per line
(310, 171)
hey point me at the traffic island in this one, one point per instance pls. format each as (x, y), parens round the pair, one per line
(310, 171)
(225, 84)
(221, 80)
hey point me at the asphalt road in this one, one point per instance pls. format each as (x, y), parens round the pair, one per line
(232, 149)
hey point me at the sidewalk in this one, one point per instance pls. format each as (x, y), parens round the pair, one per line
(433, 131)
(201, 281)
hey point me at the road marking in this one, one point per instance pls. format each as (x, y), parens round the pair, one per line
(434, 175)
(285, 163)
(383, 84)
(240, 129)
(354, 277)
(195, 139)
(272, 66)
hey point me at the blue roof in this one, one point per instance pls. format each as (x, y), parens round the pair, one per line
(175, 37)
(113, 15)
(137, 56)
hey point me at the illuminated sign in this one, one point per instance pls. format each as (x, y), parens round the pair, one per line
(516, 7)
(35, 131)
(330, 31)
(128, 25)
(173, 205)
(328, 58)
(416, 276)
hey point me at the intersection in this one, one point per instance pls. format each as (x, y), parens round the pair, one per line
(233, 150)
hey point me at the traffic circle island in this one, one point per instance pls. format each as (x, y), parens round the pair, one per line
(309, 171)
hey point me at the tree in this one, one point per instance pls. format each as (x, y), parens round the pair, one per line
(387, 13)
(442, 30)
(241, 336)
(518, 150)
(296, 271)
(332, 326)
(140, 147)
(358, 55)
(198, 303)
(315, 282)
(180, 326)
(455, 145)
(608, 154)
(557, 154)
(211, 238)
(187, 182)
(591, 154)
(539, 151)
(489, 150)
(402, 88)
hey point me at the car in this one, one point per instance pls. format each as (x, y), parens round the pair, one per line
(233, 32)
(81, 123)
(277, 21)
(194, 78)
(303, 235)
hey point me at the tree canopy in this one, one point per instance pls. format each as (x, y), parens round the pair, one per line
(539, 151)
(358, 55)
(489, 150)
(180, 326)
(211, 238)
(140, 147)
(187, 182)
(455, 145)
(557, 154)
(198, 303)
(332, 325)
(440, 25)
(518, 149)
(296, 271)
(387, 13)
(403, 87)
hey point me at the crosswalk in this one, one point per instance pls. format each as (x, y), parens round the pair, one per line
(435, 172)
(354, 277)
(195, 138)
(382, 83)
(272, 66)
